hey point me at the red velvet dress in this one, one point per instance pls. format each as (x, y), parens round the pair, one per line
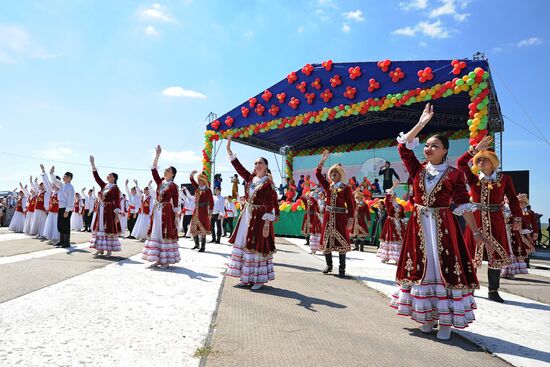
(361, 217)
(435, 270)
(523, 243)
(204, 204)
(162, 244)
(490, 216)
(252, 254)
(311, 225)
(339, 210)
(29, 215)
(391, 238)
(106, 226)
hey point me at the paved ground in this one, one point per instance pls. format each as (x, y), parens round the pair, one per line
(305, 318)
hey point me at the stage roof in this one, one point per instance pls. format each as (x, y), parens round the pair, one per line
(451, 112)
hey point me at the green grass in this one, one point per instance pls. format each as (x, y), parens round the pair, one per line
(202, 352)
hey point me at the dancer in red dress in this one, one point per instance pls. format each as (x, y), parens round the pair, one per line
(162, 247)
(524, 239)
(435, 272)
(31, 205)
(106, 225)
(254, 239)
(338, 217)
(311, 225)
(361, 222)
(204, 204)
(17, 223)
(488, 190)
(391, 238)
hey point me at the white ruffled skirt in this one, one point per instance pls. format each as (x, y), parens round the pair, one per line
(142, 226)
(50, 228)
(17, 223)
(157, 248)
(77, 222)
(38, 223)
(102, 241)
(29, 219)
(389, 251)
(123, 218)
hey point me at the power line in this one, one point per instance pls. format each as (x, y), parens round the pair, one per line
(526, 129)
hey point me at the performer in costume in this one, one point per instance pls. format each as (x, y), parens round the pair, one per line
(134, 197)
(391, 238)
(488, 190)
(338, 217)
(106, 225)
(141, 228)
(204, 203)
(435, 272)
(235, 187)
(77, 223)
(41, 209)
(90, 204)
(527, 236)
(518, 250)
(17, 223)
(65, 199)
(188, 209)
(218, 212)
(50, 231)
(29, 216)
(254, 239)
(123, 215)
(162, 247)
(311, 225)
(361, 222)
(230, 213)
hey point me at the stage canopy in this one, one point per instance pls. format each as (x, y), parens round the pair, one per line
(361, 105)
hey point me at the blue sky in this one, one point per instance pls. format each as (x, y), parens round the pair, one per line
(114, 78)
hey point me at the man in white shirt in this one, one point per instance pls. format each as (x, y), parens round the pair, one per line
(188, 209)
(65, 196)
(230, 213)
(135, 204)
(217, 214)
(89, 204)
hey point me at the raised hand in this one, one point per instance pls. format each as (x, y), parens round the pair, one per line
(324, 157)
(42, 167)
(92, 160)
(52, 170)
(135, 181)
(127, 181)
(427, 114)
(149, 184)
(158, 150)
(229, 151)
(194, 173)
(484, 143)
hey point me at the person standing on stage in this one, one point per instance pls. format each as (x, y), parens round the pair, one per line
(230, 213)
(435, 272)
(188, 209)
(311, 225)
(488, 190)
(235, 187)
(204, 203)
(254, 239)
(162, 247)
(389, 173)
(135, 204)
(106, 226)
(338, 217)
(65, 198)
(218, 212)
(361, 222)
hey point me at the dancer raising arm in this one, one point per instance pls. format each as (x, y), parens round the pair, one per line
(254, 239)
(435, 272)
(106, 226)
(162, 248)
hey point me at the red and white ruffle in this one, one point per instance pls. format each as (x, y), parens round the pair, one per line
(515, 268)
(315, 242)
(105, 242)
(389, 251)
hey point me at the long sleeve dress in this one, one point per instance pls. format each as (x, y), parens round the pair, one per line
(162, 244)
(435, 272)
(488, 195)
(143, 222)
(29, 215)
(41, 208)
(361, 219)
(252, 254)
(50, 228)
(17, 223)
(77, 223)
(105, 227)
(391, 238)
(311, 225)
(204, 204)
(338, 213)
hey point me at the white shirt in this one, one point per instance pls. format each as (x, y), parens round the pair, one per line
(65, 195)
(230, 209)
(134, 200)
(188, 203)
(219, 205)
(90, 202)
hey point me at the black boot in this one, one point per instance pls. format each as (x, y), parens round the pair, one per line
(196, 239)
(362, 245)
(328, 259)
(218, 240)
(65, 240)
(307, 240)
(342, 265)
(494, 296)
(493, 276)
(203, 244)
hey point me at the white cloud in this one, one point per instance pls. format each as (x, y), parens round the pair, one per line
(322, 15)
(54, 152)
(355, 15)
(346, 28)
(422, 44)
(497, 50)
(249, 34)
(151, 31)
(184, 156)
(414, 4)
(300, 29)
(327, 4)
(16, 43)
(180, 92)
(158, 12)
(533, 41)
(449, 8)
(407, 31)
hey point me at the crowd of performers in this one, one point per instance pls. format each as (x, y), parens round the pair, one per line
(436, 260)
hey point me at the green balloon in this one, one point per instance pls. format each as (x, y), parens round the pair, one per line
(413, 99)
(398, 96)
(389, 96)
(470, 122)
(477, 91)
(483, 85)
(470, 81)
(376, 108)
(405, 92)
(460, 82)
(472, 75)
(347, 107)
(485, 75)
(482, 125)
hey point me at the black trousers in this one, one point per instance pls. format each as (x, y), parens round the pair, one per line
(387, 184)
(217, 221)
(228, 222)
(132, 222)
(64, 226)
(87, 220)
(186, 222)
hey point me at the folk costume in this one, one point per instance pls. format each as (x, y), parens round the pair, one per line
(50, 231)
(361, 222)
(204, 203)
(143, 223)
(391, 238)
(106, 227)
(17, 223)
(311, 225)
